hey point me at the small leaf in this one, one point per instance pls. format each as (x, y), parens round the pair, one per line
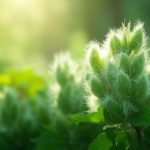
(102, 142)
(94, 117)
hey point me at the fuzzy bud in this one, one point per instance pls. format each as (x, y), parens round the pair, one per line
(63, 75)
(137, 64)
(111, 72)
(115, 44)
(124, 62)
(124, 42)
(123, 84)
(95, 60)
(141, 87)
(97, 87)
(137, 38)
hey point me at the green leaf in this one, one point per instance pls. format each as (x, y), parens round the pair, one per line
(122, 141)
(94, 117)
(102, 142)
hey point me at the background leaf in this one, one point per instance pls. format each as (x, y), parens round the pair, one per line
(101, 143)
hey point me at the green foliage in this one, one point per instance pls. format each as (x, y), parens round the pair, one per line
(94, 117)
(23, 108)
(101, 143)
(109, 110)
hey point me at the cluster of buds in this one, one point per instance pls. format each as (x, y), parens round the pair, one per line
(118, 74)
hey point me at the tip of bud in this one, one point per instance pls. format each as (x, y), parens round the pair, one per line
(137, 39)
(125, 40)
(96, 57)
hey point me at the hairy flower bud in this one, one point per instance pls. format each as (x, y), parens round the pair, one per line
(141, 87)
(137, 64)
(137, 38)
(115, 44)
(124, 62)
(95, 60)
(97, 87)
(111, 73)
(123, 84)
(62, 75)
(124, 42)
(123, 75)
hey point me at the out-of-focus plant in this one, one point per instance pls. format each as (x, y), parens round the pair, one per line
(106, 108)
(24, 108)
(71, 95)
(25, 81)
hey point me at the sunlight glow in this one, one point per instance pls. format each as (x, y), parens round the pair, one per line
(103, 52)
(21, 2)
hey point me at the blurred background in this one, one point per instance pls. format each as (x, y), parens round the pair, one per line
(33, 31)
